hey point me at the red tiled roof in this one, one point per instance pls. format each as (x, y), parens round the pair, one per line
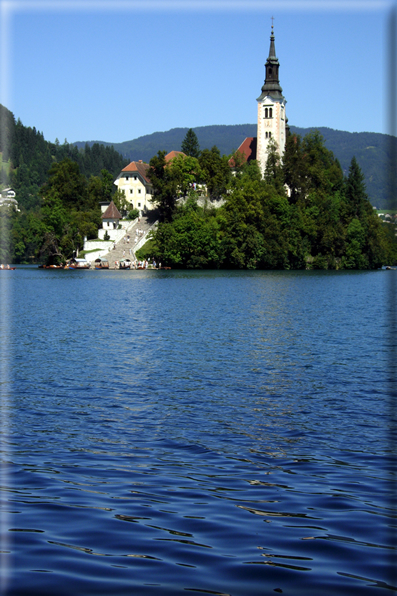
(112, 212)
(247, 150)
(172, 155)
(140, 167)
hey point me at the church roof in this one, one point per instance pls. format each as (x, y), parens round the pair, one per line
(247, 150)
(139, 167)
(272, 85)
(112, 212)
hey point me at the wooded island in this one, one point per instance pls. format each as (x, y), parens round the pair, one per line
(303, 214)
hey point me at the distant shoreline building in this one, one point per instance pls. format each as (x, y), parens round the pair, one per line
(272, 121)
(7, 198)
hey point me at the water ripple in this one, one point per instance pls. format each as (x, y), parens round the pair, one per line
(213, 432)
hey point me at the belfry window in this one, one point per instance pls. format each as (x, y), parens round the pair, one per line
(270, 112)
(266, 113)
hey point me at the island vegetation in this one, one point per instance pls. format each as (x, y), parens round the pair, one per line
(304, 214)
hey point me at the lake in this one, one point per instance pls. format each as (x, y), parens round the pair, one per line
(176, 432)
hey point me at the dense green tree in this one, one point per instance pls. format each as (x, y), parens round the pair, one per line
(216, 171)
(295, 168)
(185, 171)
(119, 199)
(70, 209)
(274, 174)
(164, 186)
(190, 145)
(71, 186)
(191, 240)
(100, 188)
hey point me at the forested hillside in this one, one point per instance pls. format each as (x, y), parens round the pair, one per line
(58, 189)
(372, 150)
(26, 158)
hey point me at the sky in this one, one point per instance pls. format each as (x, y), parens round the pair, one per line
(86, 70)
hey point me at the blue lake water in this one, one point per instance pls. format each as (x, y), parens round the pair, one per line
(166, 433)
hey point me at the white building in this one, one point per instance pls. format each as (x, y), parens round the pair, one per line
(135, 183)
(111, 218)
(133, 180)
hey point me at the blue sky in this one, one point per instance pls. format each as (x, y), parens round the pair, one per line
(114, 71)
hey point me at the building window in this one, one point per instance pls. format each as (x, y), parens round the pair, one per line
(266, 113)
(139, 191)
(139, 204)
(270, 113)
(270, 134)
(131, 191)
(127, 178)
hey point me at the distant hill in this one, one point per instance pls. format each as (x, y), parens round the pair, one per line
(372, 150)
(226, 138)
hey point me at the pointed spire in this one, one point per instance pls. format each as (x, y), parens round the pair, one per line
(272, 51)
(272, 84)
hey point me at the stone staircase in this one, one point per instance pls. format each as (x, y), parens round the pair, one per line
(124, 249)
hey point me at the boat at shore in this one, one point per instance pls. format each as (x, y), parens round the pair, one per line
(78, 264)
(125, 264)
(101, 263)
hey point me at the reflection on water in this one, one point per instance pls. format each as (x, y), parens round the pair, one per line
(214, 432)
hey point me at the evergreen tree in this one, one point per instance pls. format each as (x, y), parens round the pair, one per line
(190, 145)
(273, 170)
(355, 189)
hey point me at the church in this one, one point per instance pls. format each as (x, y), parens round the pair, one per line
(272, 120)
(272, 124)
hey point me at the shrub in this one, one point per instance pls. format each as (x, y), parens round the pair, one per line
(133, 214)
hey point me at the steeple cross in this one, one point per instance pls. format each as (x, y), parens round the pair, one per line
(272, 22)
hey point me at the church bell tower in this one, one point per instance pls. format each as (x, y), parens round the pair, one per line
(271, 109)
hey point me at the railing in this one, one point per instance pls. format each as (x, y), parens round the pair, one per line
(143, 240)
